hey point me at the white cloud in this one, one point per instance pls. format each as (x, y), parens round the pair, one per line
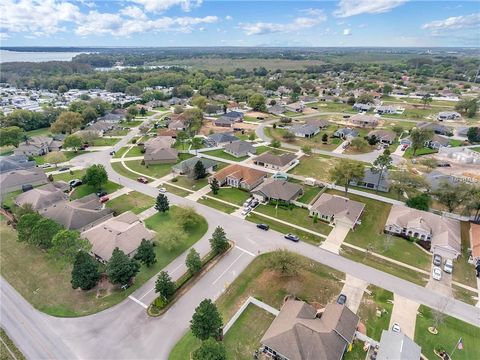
(4, 36)
(313, 12)
(348, 8)
(362, 26)
(454, 23)
(347, 32)
(228, 17)
(162, 5)
(133, 12)
(261, 28)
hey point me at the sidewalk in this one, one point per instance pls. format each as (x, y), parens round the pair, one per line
(147, 213)
(199, 193)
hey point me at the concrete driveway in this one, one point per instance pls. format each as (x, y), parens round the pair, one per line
(405, 314)
(442, 286)
(354, 289)
(335, 239)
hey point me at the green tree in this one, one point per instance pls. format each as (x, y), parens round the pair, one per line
(398, 129)
(418, 138)
(219, 241)
(193, 261)
(214, 186)
(85, 273)
(165, 286)
(403, 182)
(186, 217)
(67, 243)
(182, 138)
(162, 205)
(473, 204)
(55, 157)
(387, 89)
(206, 321)
(43, 232)
(132, 110)
(89, 114)
(72, 142)
(172, 237)
(197, 143)
(200, 102)
(96, 176)
(257, 102)
(11, 135)
(324, 138)
(145, 253)
(307, 149)
(380, 165)
(452, 196)
(288, 136)
(420, 202)
(120, 268)
(365, 98)
(143, 111)
(67, 122)
(284, 262)
(426, 99)
(473, 134)
(346, 171)
(210, 349)
(469, 107)
(199, 170)
(275, 143)
(25, 225)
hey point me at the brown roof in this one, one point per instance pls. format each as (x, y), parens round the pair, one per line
(277, 160)
(475, 239)
(298, 334)
(339, 207)
(42, 196)
(159, 148)
(279, 189)
(167, 132)
(383, 134)
(248, 175)
(364, 118)
(22, 177)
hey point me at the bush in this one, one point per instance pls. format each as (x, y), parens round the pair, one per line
(175, 179)
(134, 141)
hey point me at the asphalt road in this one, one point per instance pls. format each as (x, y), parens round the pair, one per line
(126, 332)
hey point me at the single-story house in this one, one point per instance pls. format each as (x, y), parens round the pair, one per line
(384, 136)
(388, 109)
(158, 151)
(397, 345)
(14, 180)
(437, 142)
(295, 107)
(186, 167)
(276, 162)
(475, 241)
(361, 107)
(112, 118)
(443, 233)
(234, 116)
(43, 196)
(435, 178)
(276, 109)
(300, 332)
(177, 125)
(100, 127)
(15, 162)
(370, 180)
(438, 129)
(239, 148)
(239, 176)
(305, 130)
(223, 121)
(337, 210)
(346, 133)
(321, 124)
(124, 231)
(361, 120)
(273, 190)
(220, 139)
(38, 146)
(448, 115)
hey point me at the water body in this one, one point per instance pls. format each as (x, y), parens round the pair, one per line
(33, 56)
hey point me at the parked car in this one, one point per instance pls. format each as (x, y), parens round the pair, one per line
(247, 202)
(63, 169)
(85, 146)
(436, 273)
(27, 187)
(448, 266)
(142, 180)
(112, 152)
(443, 165)
(246, 210)
(44, 166)
(342, 299)
(437, 260)
(254, 203)
(104, 199)
(404, 147)
(162, 190)
(75, 182)
(396, 327)
(263, 226)
(101, 193)
(292, 237)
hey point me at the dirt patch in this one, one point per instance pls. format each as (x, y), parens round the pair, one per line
(208, 128)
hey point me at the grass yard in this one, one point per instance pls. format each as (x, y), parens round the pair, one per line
(188, 183)
(262, 149)
(134, 201)
(105, 141)
(356, 353)
(315, 142)
(463, 271)
(39, 132)
(67, 176)
(449, 332)
(309, 193)
(231, 195)
(464, 295)
(315, 283)
(118, 132)
(380, 299)
(8, 200)
(223, 155)
(84, 190)
(155, 171)
(175, 190)
(131, 124)
(477, 148)
(217, 205)
(69, 155)
(135, 151)
(7, 348)
(123, 171)
(294, 215)
(424, 151)
(120, 152)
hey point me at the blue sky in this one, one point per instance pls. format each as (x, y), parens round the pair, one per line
(239, 23)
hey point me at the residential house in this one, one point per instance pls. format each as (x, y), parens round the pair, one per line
(80, 214)
(101, 127)
(321, 124)
(269, 160)
(234, 116)
(436, 128)
(308, 99)
(176, 125)
(240, 148)
(300, 332)
(277, 190)
(239, 176)
(38, 146)
(125, 232)
(305, 130)
(363, 121)
(383, 136)
(337, 210)
(186, 167)
(448, 115)
(475, 241)
(443, 233)
(277, 109)
(112, 118)
(361, 107)
(15, 179)
(15, 162)
(397, 345)
(223, 121)
(295, 107)
(220, 139)
(44, 196)
(389, 110)
(158, 151)
(346, 133)
(437, 142)
(460, 154)
(372, 178)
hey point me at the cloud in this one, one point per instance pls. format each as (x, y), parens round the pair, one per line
(454, 23)
(348, 8)
(228, 17)
(133, 12)
(4, 36)
(262, 28)
(347, 32)
(313, 12)
(163, 5)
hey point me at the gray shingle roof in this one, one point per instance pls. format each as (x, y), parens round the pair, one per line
(240, 147)
(277, 160)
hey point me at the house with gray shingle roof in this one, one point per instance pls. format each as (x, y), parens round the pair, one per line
(38, 146)
(346, 133)
(240, 148)
(371, 179)
(186, 167)
(305, 130)
(158, 151)
(43, 196)
(15, 162)
(397, 345)
(14, 180)
(384, 136)
(273, 190)
(269, 160)
(337, 210)
(220, 139)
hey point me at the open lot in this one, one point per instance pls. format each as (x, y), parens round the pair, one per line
(155, 171)
(69, 175)
(189, 183)
(379, 299)
(69, 155)
(223, 155)
(134, 201)
(314, 142)
(231, 195)
(309, 193)
(134, 151)
(105, 141)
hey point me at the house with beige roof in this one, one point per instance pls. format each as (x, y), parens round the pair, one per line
(37, 146)
(383, 136)
(337, 210)
(44, 196)
(443, 233)
(269, 160)
(239, 176)
(281, 190)
(239, 148)
(14, 180)
(300, 332)
(361, 120)
(125, 232)
(158, 150)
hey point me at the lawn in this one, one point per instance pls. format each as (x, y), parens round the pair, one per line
(174, 190)
(9, 198)
(223, 155)
(123, 171)
(135, 151)
(7, 347)
(39, 132)
(370, 234)
(69, 155)
(120, 152)
(155, 171)
(315, 142)
(105, 141)
(424, 151)
(131, 124)
(449, 332)
(231, 195)
(133, 201)
(463, 271)
(294, 215)
(313, 283)
(118, 132)
(262, 149)
(309, 193)
(69, 175)
(477, 148)
(217, 205)
(84, 190)
(379, 299)
(188, 183)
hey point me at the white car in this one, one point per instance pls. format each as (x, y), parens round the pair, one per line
(46, 165)
(396, 327)
(162, 190)
(436, 273)
(448, 266)
(246, 211)
(247, 202)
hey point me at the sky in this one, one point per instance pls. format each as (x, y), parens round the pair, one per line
(387, 23)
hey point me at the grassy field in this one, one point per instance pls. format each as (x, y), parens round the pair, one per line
(217, 205)
(84, 190)
(134, 201)
(39, 132)
(424, 151)
(131, 124)
(105, 141)
(66, 176)
(188, 183)
(45, 282)
(120, 152)
(135, 151)
(223, 155)
(122, 170)
(315, 283)
(315, 142)
(449, 332)
(156, 171)
(69, 155)
(232, 195)
(309, 193)
(379, 299)
(463, 271)
(174, 190)
(262, 149)
(7, 348)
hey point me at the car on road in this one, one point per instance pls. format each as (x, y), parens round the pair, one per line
(246, 211)
(75, 182)
(263, 226)
(104, 199)
(112, 152)
(342, 299)
(142, 180)
(44, 166)
(162, 190)
(448, 266)
(396, 327)
(101, 193)
(292, 237)
(443, 165)
(437, 260)
(63, 169)
(436, 273)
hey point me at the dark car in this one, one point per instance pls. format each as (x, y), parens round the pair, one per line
(292, 237)
(74, 183)
(437, 260)
(63, 169)
(27, 187)
(101, 193)
(342, 299)
(263, 226)
(112, 152)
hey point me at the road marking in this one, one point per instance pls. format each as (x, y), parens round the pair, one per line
(138, 302)
(228, 268)
(245, 251)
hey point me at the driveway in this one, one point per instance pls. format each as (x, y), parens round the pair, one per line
(354, 289)
(335, 239)
(405, 314)
(442, 286)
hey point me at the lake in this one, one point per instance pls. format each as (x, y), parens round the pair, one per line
(33, 56)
